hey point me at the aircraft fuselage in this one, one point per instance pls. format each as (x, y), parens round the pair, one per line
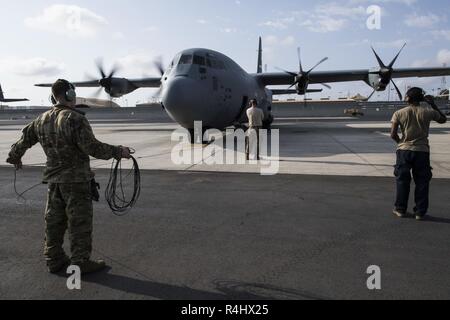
(205, 85)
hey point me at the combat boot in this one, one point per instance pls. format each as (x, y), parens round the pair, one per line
(90, 266)
(60, 266)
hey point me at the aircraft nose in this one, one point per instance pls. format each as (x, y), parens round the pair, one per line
(183, 99)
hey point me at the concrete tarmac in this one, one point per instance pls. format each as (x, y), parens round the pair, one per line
(226, 232)
(330, 146)
(206, 235)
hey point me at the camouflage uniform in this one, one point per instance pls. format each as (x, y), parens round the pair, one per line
(68, 141)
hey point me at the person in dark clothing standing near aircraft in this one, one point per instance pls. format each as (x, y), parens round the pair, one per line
(413, 152)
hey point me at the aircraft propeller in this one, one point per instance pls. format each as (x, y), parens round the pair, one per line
(386, 72)
(302, 77)
(116, 87)
(159, 65)
(105, 81)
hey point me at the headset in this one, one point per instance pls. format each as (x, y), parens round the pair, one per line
(417, 93)
(70, 95)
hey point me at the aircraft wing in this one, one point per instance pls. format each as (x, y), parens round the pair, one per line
(86, 84)
(138, 83)
(146, 82)
(280, 92)
(13, 100)
(281, 78)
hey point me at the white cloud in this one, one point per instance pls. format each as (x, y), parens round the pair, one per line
(403, 2)
(422, 21)
(280, 24)
(421, 63)
(274, 41)
(441, 34)
(228, 30)
(288, 41)
(324, 24)
(201, 21)
(334, 9)
(327, 17)
(391, 44)
(67, 20)
(444, 57)
(31, 67)
(138, 63)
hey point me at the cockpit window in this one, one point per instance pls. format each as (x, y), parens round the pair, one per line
(210, 61)
(186, 59)
(214, 63)
(199, 60)
(218, 64)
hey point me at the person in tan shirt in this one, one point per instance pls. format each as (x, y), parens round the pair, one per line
(255, 122)
(413, 152)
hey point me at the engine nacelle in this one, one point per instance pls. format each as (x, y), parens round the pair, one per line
(377, 82)
(119, 87)
(302, 85)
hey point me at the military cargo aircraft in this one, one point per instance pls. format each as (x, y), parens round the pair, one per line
(205, 85)
(2, 98)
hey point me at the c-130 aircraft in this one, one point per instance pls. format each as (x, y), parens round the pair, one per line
(207, 86)
(3, 99)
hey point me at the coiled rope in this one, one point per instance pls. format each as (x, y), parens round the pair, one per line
(115, 193)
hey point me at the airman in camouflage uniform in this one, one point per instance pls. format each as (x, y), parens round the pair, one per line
(68, 140)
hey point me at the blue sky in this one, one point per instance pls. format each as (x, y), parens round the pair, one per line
(44, 40)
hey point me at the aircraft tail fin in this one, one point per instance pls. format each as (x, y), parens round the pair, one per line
(260, 63)
(1, 93)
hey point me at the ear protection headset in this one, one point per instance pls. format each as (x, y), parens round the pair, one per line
(417, 94)
(70, 95)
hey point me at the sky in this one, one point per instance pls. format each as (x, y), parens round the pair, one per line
(45, 40)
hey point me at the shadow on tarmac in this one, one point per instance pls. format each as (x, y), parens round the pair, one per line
(437, 220)
(429, 219)
(226, 290)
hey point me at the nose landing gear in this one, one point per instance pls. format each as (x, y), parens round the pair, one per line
(267, 124)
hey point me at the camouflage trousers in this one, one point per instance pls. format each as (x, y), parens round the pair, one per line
(69, 207)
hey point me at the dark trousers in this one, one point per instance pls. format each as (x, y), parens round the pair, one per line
(419, 164)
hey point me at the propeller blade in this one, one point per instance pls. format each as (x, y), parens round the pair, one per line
(396, 57)
(294, 84)
(89, 77)
(287, 72)
(398, 91)
(326, 85)
(300, 60)
(159, 66)
(99, 64)
(371, 95)
(97, 93)
(318, 64)
(114, 70)
(380, 62)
